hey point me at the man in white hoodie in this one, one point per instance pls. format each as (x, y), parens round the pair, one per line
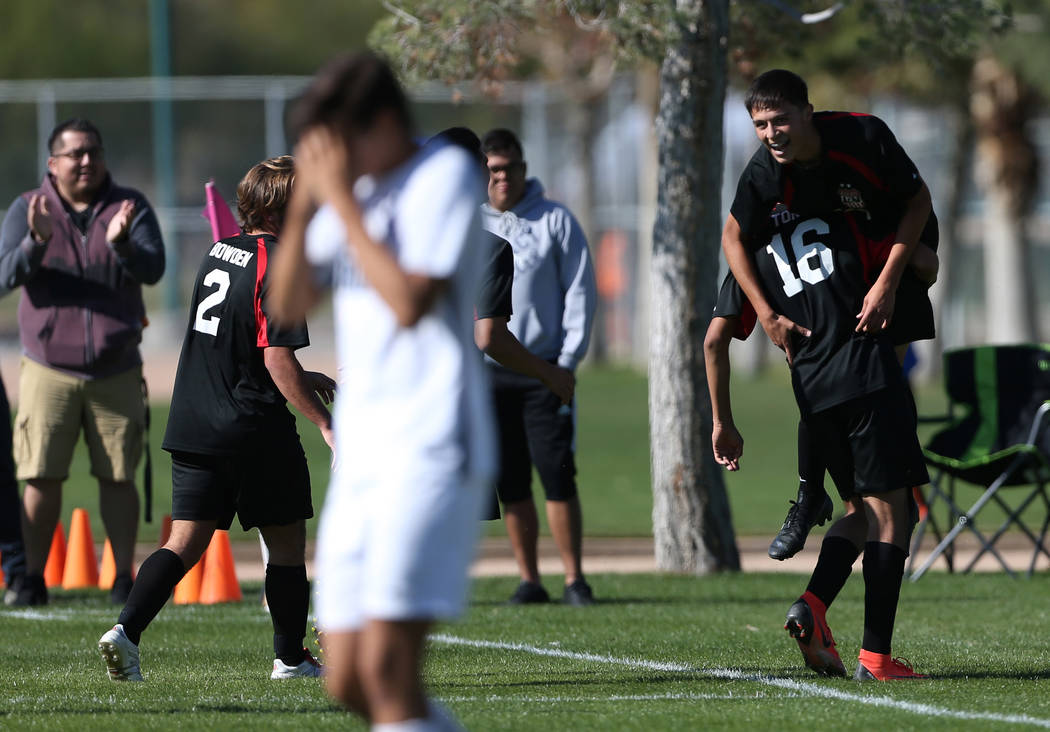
(554, 297)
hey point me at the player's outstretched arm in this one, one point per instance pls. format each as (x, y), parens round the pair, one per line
(877, 309)
(776, 326)
(303, 390)
(726, 441)
(494, 338)
(292, 290)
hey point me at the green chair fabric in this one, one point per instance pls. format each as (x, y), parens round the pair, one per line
(996, 437)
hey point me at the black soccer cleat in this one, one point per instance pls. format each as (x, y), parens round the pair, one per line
(529, 593)
(30, 592)
(578, 594)
(802, 516)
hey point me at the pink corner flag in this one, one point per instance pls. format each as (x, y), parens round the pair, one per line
(218, 213)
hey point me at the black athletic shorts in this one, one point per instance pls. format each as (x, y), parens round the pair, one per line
(535, 429)
(268, 487)
(912, 311)
(873, 435)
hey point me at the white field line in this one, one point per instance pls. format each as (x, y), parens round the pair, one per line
(800, 687)
(615, 697)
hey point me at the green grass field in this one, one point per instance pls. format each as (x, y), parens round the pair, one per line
(656, 653)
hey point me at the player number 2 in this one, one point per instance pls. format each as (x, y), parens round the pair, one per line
(210, 324)
(814, 263)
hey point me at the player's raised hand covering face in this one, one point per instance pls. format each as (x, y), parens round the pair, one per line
(322, 164)
(787, 131)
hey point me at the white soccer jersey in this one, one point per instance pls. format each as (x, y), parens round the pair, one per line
(414, 438)
(410, 398)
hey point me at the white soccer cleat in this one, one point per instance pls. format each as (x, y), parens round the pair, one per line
(308, 669)
(120, 654)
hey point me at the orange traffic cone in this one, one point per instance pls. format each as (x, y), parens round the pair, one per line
(188, 591)
(165, 530)
(81, 565)
(56, 558)
(220, 576)
(108, 571)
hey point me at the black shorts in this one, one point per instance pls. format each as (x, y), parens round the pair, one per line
(268, 487)
(534, 429)
(912, 311)
(874, 437)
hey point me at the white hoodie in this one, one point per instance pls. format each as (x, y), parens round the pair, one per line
(554, 293)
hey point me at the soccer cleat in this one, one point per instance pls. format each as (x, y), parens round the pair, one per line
(309, 668)
(30, 592)
(804, 514)
(805, 623)
(529, 593)
(578, 594)
(120, 654)
(14, 586)
(881, 667)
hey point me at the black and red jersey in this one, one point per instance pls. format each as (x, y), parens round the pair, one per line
(814, 271)
(224, 399)
(497, 280)
(862, 173)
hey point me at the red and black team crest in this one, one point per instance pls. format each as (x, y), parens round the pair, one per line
(852, 201)
(781, 215)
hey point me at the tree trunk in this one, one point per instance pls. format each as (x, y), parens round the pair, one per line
(1002, 106)
(692, 527)
(959, 164)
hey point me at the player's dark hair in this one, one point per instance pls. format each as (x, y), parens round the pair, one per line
(75, 124)
(348, 93)
(773, 88)
(465, 138)
(501, 140)
(263, 194)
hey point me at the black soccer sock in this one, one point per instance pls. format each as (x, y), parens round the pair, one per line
(288, 596)
(883, 572)
(834, 564)
(810, 465)
(157, 577)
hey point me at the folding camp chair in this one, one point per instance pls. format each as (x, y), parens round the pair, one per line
(997, 437)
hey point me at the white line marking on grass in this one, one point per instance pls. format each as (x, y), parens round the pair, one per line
(615, 697)
(801, 687)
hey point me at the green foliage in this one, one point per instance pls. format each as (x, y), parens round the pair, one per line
(56, 38)
(918, 48)
(1024, 49)
(494, 41)
(106, 38)
(658, 652)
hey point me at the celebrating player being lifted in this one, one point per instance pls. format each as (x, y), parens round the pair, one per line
(823, 194)
(233, 442)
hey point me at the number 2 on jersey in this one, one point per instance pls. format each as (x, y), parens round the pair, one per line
(210, 324)
(815, 262)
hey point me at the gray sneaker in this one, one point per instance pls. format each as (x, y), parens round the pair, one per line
(120, 654)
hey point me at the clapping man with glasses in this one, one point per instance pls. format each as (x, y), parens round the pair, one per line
(81, 247)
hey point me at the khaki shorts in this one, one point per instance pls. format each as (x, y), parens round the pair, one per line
(53, 407)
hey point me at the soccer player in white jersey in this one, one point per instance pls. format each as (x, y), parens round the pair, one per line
(394, 229)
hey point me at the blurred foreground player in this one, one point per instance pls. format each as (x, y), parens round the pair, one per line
(394, 229)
